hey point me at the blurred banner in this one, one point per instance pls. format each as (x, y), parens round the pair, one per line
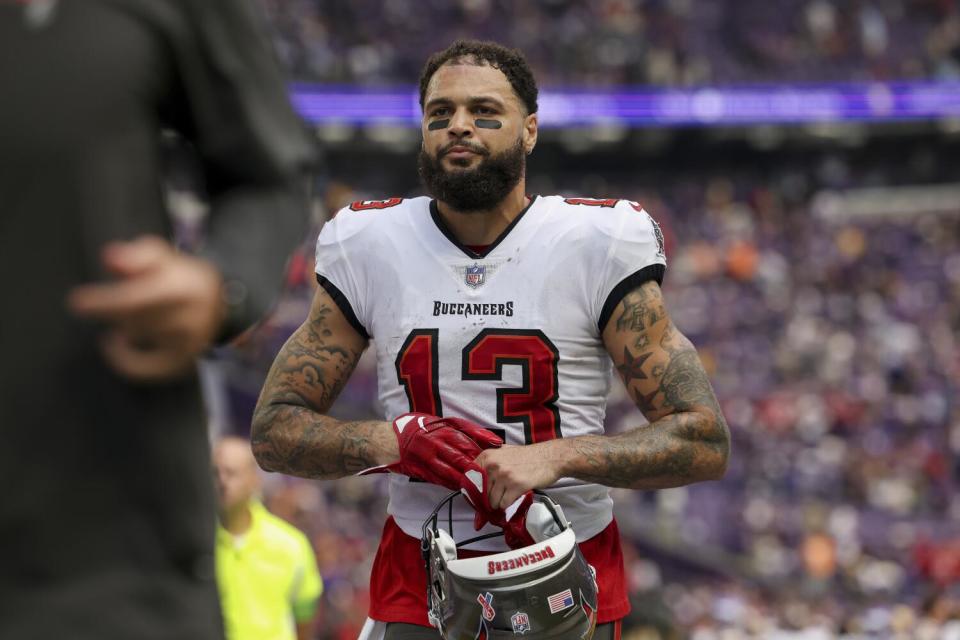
(760, 104)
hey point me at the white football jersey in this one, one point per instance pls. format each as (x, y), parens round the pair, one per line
(509, 338)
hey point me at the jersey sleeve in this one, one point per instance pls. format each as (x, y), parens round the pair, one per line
(634, 255)
(337, 273)
(308, 585)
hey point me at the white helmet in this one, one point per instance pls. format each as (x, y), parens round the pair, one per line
(545, 590)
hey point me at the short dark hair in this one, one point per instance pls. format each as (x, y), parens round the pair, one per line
(509, 61)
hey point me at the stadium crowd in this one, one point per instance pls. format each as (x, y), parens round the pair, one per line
(832, 344)
(670, 43)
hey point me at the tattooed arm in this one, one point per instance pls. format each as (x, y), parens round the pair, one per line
(291, 433)
(686, 441)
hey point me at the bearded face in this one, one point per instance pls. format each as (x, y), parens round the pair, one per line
(477, 188)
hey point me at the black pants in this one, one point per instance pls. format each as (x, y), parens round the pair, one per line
(402, 631)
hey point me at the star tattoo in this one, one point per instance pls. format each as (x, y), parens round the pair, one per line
(631, 367)
(645, 401)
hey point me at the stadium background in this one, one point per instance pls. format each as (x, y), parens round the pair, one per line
(814, 259)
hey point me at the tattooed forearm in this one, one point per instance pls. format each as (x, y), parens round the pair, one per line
(290, 432)
(674, 451)
(316, 446)
(687, 439)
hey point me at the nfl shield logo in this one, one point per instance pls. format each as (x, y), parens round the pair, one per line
(521, 622)
(474, 275)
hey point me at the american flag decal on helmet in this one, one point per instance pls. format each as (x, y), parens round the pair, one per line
(560, 601)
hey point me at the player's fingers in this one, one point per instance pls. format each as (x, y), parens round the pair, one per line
(510, 496)
(484, 438)
(495, 491)
(439, 472)
(114, 301)
(508, 493)
(144, 363)
(458, 459)
(483, 460)
(460, 475)
(498, 497)
(145, 360)
(490, 461)
(136, 256)
(457, 444)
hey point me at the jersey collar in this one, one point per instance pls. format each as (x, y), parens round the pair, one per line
(470, 253)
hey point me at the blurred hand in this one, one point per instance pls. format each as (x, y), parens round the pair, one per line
(513, 470)
(163, 310)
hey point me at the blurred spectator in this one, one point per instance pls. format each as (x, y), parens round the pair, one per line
(266, 569)
(615, 42)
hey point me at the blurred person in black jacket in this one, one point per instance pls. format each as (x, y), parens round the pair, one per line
(107, 517)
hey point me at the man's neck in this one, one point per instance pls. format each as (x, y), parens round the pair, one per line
(238, 520)
(475, 228)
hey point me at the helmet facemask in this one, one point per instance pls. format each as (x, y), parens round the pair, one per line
(545, 590)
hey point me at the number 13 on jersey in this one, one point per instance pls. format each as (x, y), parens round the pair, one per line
(533, 404)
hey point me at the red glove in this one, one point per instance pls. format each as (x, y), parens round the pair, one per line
(442, 451)
(515, 528)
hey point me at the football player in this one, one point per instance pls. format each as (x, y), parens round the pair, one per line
(497, 319)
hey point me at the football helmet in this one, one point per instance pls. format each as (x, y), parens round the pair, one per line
(545, 590)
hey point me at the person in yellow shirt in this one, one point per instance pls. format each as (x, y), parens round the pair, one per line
(266, 569)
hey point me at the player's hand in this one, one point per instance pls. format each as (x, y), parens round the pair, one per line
(514, 470)
(442, 451)
(163, 309)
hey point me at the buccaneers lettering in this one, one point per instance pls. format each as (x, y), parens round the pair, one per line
(467, 309)
(523, 560)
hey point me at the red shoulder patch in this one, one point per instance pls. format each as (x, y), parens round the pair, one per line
(593, 202)
(366, 205)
